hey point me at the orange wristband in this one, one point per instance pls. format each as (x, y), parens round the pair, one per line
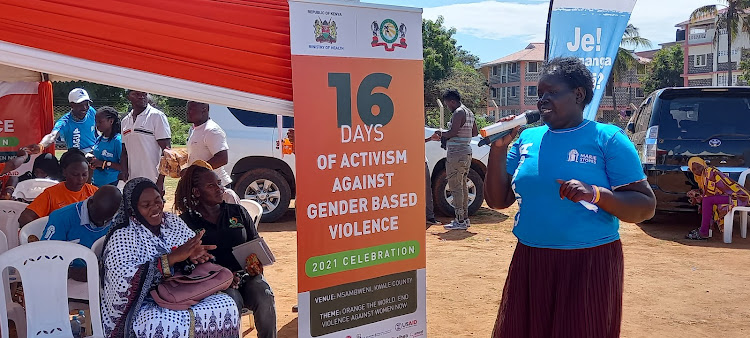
(597, 195)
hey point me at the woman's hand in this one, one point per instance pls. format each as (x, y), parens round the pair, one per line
(576, 191)
(506, 140)
(235, 282)
(192, 250)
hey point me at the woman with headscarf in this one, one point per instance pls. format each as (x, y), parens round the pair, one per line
(199, 198)
(141, 249)
(717, 194)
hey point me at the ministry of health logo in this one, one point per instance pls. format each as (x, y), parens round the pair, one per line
(325, 31)
(389, 32)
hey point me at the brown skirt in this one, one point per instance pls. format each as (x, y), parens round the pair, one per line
(562, 293)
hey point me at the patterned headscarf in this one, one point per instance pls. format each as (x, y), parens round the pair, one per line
(130, 195)
(700, 179)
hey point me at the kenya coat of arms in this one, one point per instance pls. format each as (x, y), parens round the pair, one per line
(325, 31)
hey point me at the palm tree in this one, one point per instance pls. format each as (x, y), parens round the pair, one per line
(624, 61)
(729, 19)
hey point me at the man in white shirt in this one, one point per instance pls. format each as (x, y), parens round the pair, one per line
(208, 142)
(145, 134)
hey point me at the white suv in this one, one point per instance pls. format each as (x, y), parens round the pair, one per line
(260, 172)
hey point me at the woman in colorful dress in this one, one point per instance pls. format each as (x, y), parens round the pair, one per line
(717, 195)
(140, 250)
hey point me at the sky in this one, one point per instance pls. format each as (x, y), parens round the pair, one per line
(492, 29)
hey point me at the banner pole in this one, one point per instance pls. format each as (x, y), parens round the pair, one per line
(546, 36)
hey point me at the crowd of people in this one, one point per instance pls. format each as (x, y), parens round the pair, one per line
(143, 243)
(565, 277)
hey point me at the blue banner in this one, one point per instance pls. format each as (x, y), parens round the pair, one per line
(590, 31)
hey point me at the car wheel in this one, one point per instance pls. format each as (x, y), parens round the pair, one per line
(444, 200)
(269, 189)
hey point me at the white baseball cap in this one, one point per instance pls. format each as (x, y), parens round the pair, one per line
(78, 95)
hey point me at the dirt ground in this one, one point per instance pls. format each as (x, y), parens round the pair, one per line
(673, 287)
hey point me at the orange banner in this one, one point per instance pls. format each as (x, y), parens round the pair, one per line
(349, 176)
(23, 117)
(358, 109)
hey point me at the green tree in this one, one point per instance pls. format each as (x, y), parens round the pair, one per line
(665, 70)
(439, 49)
(731, 19)
(624, 61)
(101, 95)
(745, 65)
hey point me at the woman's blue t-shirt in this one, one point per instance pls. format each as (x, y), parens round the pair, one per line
(107, 150)
(592, 153)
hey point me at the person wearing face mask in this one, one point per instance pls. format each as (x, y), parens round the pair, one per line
(75, 170)
(574, 180)
(143, 247)
(77, 127)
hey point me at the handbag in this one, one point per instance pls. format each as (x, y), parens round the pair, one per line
(182, 291)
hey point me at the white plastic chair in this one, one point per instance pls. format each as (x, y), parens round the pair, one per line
(9, 212)
(254, 209)
(15, 310)
(729, 217)
(43, 267)
(28, 190)
(35, 227)
(98, 246)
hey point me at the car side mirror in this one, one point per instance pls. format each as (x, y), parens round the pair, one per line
(631, 127)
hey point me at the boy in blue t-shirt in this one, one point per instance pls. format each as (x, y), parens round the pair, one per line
(86, 221)
(107, 149)
(77, 127)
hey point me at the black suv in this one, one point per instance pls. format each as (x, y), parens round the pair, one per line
(674, 124)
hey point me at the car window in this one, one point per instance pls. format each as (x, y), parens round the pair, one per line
(263, 120)
(644, 115)
(720, 115)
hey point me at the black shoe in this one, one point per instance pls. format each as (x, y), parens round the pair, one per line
(695, 235)
(432, 221)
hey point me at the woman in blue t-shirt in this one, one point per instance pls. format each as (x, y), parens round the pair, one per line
(107, 148)
(573, 179)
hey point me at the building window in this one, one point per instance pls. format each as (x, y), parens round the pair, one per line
(513, 91)
(700, 60)
(532, 67)
(640, 69)
(721, 79)
(494, 70)
(639, 92)
(531, 91)
(494, 92)
(514, 68)
(609, 89)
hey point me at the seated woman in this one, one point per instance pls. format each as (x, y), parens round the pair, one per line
(199, 199)
(45, 166)
(716, 190)
(142, 248)
(74, 189)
